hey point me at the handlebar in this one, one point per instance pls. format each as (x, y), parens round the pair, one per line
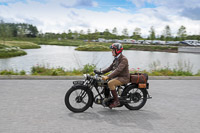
(98, 72)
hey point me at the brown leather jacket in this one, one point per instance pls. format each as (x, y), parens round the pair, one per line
(120, 70)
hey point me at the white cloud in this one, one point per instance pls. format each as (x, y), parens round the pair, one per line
(140, 3)
(187, 8)
(121, 9)
(52, 17)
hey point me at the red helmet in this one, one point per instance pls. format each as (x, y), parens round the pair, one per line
(117, 47)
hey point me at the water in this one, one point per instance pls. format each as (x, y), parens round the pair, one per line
(68, 58)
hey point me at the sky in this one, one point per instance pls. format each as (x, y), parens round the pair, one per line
(59, 16)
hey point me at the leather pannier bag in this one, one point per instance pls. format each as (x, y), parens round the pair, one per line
(140, 79)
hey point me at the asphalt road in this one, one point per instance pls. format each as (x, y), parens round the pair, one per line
(37, 106)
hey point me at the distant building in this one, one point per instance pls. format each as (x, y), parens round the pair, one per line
(101, 40)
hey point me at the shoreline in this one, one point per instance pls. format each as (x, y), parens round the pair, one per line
(29, 77)
(169, 51)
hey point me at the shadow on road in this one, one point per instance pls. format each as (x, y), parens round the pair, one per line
(123, 118)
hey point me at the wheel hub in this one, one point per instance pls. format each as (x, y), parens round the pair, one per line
(78, 99)
(136, 97)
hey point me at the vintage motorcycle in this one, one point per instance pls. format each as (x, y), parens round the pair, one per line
(81, 96)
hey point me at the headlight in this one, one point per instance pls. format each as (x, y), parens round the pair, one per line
(87, 76)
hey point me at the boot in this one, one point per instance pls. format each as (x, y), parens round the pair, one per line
(116, 100)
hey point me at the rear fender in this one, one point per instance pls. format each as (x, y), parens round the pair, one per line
(128, 86)
(136, 86)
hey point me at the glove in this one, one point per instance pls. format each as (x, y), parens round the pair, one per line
(105, 78)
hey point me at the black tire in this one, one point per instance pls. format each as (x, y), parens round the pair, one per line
(134, 97)
(78, 99)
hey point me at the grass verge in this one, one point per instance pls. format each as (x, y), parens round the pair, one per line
(41, 70)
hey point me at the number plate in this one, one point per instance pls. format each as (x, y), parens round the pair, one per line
(78, 82)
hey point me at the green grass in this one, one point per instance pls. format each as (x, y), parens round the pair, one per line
(198, 73)
(12, 72)
(10, 51)
(151, 48)
(42, 70)
(45, 70)
(22, 44)
(61, 42)
(166, 72)
(92, 47)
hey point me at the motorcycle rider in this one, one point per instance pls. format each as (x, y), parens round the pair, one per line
(120, 72)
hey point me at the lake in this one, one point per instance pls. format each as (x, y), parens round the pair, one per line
(68, 58)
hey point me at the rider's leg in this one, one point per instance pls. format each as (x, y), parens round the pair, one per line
(112, 84)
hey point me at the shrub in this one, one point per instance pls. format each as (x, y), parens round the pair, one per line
(198, 73)
(88, 68)
(45, 70)
(8, 72)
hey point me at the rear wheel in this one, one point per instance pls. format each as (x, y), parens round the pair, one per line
(136, 98)
(78, 99)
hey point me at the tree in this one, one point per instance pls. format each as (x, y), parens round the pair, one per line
(89, 37)
(22, 30)
(5, 31)
(82, 35)
(137, 34)
(114, 31)
(106, 34)
(152, 35)
(69, 34)
(167, 33)
(162, 37)
(96, 34)
(125, 32)
(75, 34)
(32, 31)
(182, 33)
(64, 35)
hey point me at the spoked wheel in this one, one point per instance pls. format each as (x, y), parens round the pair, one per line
(136, 98)
(78, 99)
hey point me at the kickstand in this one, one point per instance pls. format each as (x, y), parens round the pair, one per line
(149, 96)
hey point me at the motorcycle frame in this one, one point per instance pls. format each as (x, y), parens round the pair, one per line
(89, 83)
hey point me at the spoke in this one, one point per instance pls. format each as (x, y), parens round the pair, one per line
(84, 94)
(79, 98)
(84, 102)
(76, 92)
(141, 93)
(136, 90)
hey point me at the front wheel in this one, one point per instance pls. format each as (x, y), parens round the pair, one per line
(78, 99)
(135, 97)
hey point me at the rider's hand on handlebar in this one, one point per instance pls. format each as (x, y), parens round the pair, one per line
(105, 78)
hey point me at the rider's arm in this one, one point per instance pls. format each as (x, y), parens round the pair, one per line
(119, 69)
(108, 69)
